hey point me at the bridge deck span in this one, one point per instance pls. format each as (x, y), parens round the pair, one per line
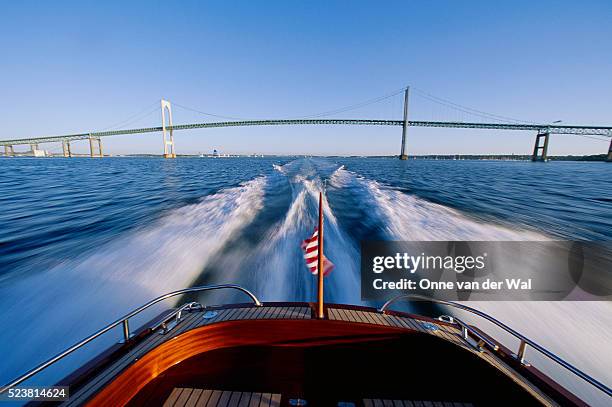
(551, 129)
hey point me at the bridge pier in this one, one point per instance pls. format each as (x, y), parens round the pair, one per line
(36, 152)
(66, 148)
(540, 149)
(167, 134)
(9, 151)
(403, 155)
(98, 153)
(609, 159)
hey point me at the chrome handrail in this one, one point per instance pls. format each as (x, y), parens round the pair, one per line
(520, 355)
(126, 327)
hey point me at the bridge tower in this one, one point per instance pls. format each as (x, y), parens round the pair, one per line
(92, 151)
(66, 148)
(9, 151)
(403, 155)
(167, 133)
(540, 149)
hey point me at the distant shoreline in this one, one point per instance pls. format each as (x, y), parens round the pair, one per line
(483, 157)
(451, 157)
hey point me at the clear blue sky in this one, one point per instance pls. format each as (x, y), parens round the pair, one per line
(82, 66)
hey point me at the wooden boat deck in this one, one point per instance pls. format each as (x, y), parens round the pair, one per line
(360, 315)
(186, 397)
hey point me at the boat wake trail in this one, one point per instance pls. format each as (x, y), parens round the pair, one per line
(53, 309)
(272, 264)
(400, 216)
(284, 273)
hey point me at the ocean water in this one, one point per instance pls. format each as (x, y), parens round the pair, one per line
(83, 241)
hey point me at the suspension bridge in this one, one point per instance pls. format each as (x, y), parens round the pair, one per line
(167, 128)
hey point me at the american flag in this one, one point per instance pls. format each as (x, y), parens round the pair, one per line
(310, 247)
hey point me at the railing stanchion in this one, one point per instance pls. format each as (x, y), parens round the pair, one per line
(521, 352)
(126, 330)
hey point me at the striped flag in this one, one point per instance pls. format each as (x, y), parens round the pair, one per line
(310, 247)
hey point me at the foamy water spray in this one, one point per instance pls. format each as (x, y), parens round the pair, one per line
(50, 310)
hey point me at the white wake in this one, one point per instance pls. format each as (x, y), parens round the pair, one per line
(50, 310)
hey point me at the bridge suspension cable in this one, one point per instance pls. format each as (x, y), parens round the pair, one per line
(466, 109)
(135, 117)
(207, 114)
(343, 109)
(355, 106)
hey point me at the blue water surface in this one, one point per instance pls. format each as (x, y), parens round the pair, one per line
(82, 241)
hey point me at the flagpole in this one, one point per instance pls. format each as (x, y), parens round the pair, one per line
(320, 314)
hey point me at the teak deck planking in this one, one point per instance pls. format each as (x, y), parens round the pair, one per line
(195, 319)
